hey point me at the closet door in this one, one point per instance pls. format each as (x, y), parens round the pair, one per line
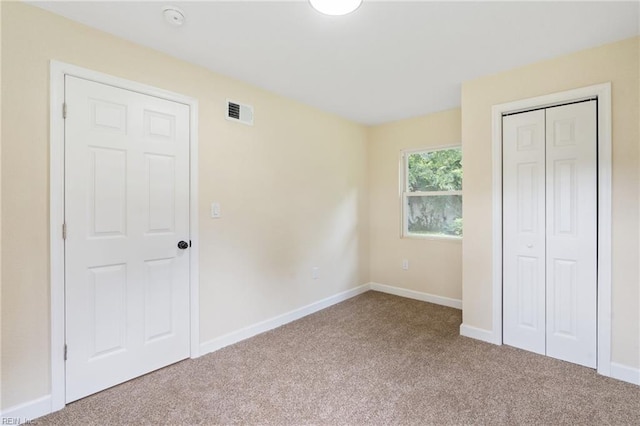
(571, 212)
(524, 230)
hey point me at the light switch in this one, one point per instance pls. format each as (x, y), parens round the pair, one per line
(215, 210)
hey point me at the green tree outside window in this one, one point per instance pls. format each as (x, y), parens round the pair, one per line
(433, 192)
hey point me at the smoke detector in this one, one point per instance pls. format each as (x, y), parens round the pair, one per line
(173, 15)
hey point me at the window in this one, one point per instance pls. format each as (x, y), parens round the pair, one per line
(432, 193)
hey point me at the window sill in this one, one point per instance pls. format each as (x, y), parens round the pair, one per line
(446, 238)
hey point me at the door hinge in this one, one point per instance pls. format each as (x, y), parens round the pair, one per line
(64, 231)
(64, 110)
(65, 351)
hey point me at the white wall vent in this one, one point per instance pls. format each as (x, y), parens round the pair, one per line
(239, 112)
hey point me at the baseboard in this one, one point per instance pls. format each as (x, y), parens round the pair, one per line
(270, 324)
(478, 334)
(417, 295)
(27, 411)
(625, 373)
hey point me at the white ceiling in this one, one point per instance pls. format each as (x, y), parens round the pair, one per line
(388, 60)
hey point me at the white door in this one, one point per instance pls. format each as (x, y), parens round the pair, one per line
(524, 231)
(550, 232)
(572, 216)
(126, 208)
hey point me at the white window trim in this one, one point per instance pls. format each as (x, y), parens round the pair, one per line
(430, 193)
(403, 180)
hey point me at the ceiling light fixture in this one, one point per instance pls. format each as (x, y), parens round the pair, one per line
(173, 15)
(335, 7)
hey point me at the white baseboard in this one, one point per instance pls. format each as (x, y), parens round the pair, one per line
(478, 334)
(417, 295)
(270, 324)
(625, 373)
(27, 411)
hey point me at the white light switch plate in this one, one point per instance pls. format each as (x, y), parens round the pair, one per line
(215, 210)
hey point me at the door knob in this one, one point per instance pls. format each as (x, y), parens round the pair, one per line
(182, 245)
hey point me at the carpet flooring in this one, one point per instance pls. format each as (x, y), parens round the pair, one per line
(375, 359)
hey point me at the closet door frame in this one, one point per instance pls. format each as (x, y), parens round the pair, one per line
(601, 92)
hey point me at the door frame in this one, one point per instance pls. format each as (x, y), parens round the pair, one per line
(603, 93)
(58, 71)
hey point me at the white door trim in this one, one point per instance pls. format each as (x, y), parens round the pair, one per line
(603, 93)
(58, 70)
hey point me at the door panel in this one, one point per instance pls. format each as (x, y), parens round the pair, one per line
(572, 211)
(158, 296)
(564, 298)
(527, 286)
(160, 190)
(107, 192)
(107, 303)
(523, 230)
(126, 207)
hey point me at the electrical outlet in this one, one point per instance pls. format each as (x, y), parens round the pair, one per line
(315, 272)
(405, 264)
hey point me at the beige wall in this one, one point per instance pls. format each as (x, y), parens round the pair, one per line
(617, 63)
(311, 173)
(293, 191)
(435, 266)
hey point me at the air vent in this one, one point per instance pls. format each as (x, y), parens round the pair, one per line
(240, 112)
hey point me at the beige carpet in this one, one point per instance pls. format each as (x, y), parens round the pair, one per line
(374, 359)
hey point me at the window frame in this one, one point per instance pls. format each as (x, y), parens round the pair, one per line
(404, 194)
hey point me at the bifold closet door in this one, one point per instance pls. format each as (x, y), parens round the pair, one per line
(524, 239)
(572, 217)
(550, 231)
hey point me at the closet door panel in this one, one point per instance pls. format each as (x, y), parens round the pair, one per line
(571, 218)
(524, 230)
